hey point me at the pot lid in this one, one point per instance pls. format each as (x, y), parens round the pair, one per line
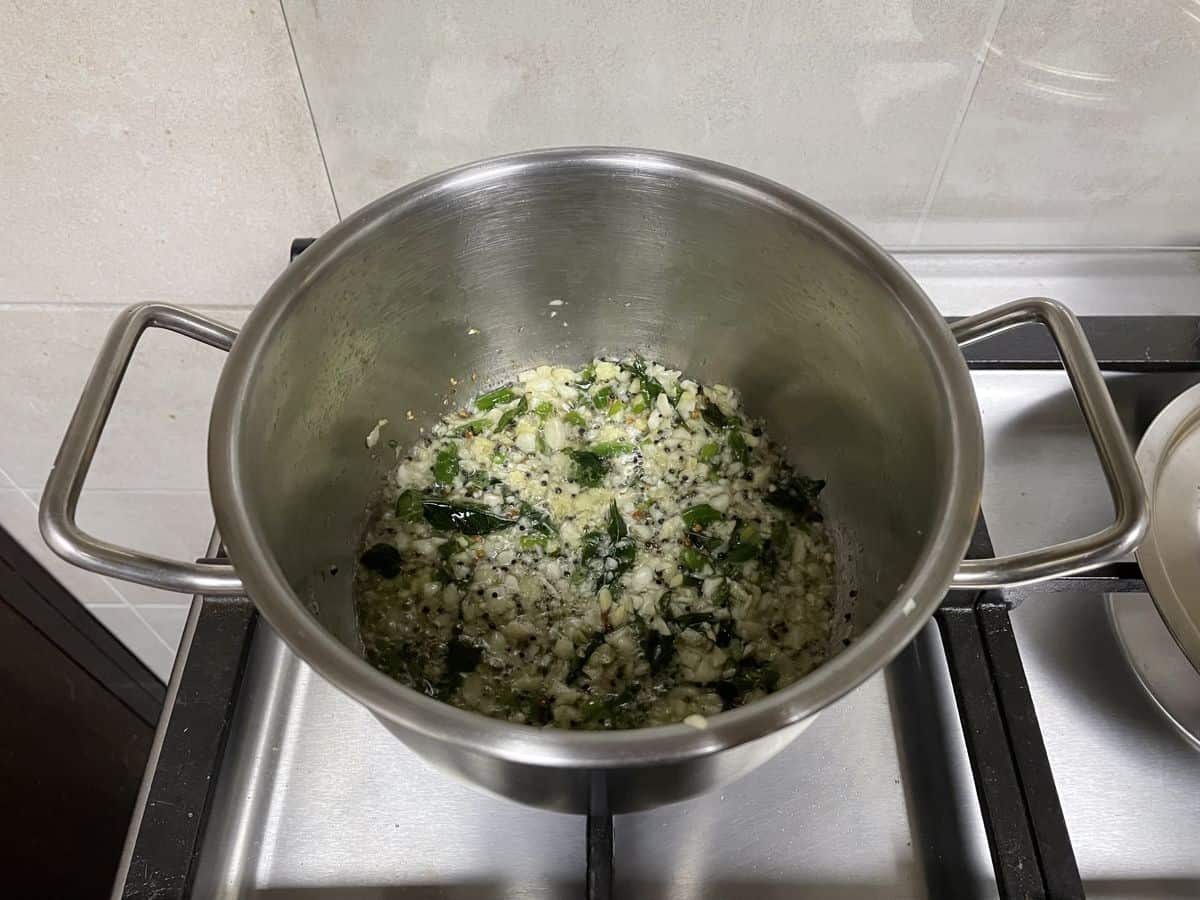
(1169, 460)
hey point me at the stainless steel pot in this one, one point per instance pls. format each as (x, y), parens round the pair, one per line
(728, 276)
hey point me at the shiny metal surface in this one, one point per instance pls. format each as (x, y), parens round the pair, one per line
(726, 275)
(317, 801)
(1169, 457)
(56, 515)
(1172, 683)
(1127, 781)
(729, 276)
(1112, 448)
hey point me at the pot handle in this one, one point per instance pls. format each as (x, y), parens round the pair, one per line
(1116, 457)
(56, 515)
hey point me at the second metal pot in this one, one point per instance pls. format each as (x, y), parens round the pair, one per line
(398, 310)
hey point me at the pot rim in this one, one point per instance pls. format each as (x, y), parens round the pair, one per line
(915, 601)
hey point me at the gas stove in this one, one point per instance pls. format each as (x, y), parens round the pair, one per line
(1010, 751)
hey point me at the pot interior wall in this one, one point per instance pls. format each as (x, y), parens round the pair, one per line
(726, 283)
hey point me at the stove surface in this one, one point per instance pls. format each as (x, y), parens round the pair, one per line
(315, 799)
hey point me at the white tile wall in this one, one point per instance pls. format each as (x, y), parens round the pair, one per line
(170, 151)
(150, 151)
(1084, 129)
(849, 102)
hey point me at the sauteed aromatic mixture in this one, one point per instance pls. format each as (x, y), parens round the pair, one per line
(607, 548)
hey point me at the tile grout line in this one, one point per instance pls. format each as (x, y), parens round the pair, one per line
(122, 599)
(287, 26)
(112, 587)
(939, 173)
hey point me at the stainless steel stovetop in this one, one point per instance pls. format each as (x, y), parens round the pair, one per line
(314, 799)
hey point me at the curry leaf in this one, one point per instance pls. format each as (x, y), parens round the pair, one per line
(445, 465)
(495, 398)
(467, 518)
(617, 528)
(606, 449)
(737, 444)
(701, 514)
(797, 494)
(588, 469)
(408, 506)
(510, 415)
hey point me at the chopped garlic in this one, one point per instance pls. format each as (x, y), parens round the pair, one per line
(373, 436)
(547, 609)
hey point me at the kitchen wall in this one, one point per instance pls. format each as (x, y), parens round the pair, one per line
(169, 151)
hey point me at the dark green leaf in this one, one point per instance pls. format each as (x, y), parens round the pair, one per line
(744, 544)
(445, 465)
(779, 535)
(798, 495)
(495, 398)
(650, 386)
(713, 416)
(382, 559)
(659, 650)
(752, 675)
(510, 415)
(464, 517)
(591, 546)
(588, 468)
(691, 620)
(693, 560)
(701, 514)
(601, 397)
(538, 520)
(583, 656)
(606, 449)
(408, 506)
(699, 541)
(613, 710)
(617, 528)
(737, 444)
(445, 572)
